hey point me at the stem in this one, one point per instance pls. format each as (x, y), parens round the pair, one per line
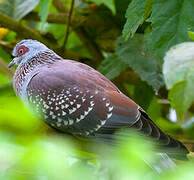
(68, 24)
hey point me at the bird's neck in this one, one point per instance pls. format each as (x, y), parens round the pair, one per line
(24, 72)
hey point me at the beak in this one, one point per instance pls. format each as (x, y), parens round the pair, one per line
(12, 63)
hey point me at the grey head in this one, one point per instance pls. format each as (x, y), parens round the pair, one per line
(26, 50)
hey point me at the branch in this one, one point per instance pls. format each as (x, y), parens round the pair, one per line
(68, 24)
(26, 32)
(76, 21)
(60, 18)
(22, 30)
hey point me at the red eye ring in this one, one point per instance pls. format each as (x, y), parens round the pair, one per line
(21, 51)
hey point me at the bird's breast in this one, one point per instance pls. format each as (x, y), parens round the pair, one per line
(22, 77)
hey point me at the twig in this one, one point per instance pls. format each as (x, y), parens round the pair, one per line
(68, 25)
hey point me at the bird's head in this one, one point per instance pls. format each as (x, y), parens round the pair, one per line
(26, 50)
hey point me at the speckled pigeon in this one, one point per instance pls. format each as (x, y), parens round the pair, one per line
(74, 98)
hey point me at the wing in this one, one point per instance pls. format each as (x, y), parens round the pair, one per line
(127, 114)
(76, 99)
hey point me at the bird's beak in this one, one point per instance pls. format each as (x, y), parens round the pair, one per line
(12, 63)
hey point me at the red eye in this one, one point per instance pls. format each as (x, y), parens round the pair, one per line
(22, 50)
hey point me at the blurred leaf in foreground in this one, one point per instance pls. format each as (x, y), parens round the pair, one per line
(15, 117)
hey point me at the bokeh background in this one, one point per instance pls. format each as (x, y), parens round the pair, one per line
(126, 40)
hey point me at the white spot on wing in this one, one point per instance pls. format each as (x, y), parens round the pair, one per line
(72, 110)
(59, 120)
(110, 108)
(92, 103)
(70, 121)
(83, 99)
(109, 115)
(53, 116)
(107, 104)
(103, 122)
(63, 113)
(78, 106)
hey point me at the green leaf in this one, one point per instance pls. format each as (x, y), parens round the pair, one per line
(191, 35)
(170, 22)
(111, 67)
(134, 53)
(44, 9)
(17, 8)
(137, 12)
(188, 127)
(178, 98)
(109, 3)
(178, 73)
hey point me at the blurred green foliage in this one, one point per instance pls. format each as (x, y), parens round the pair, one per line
(126, 41)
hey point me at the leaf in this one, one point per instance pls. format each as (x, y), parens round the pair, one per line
(17, 8)
(178, 73)
(170, 21)
(44, 9)
(134, 53)
(188, 127)
(137, 12)
(109, 3)
(111, 67)
(191, 35)
(178, 98)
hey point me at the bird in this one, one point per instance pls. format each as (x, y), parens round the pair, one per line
(74, 98)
